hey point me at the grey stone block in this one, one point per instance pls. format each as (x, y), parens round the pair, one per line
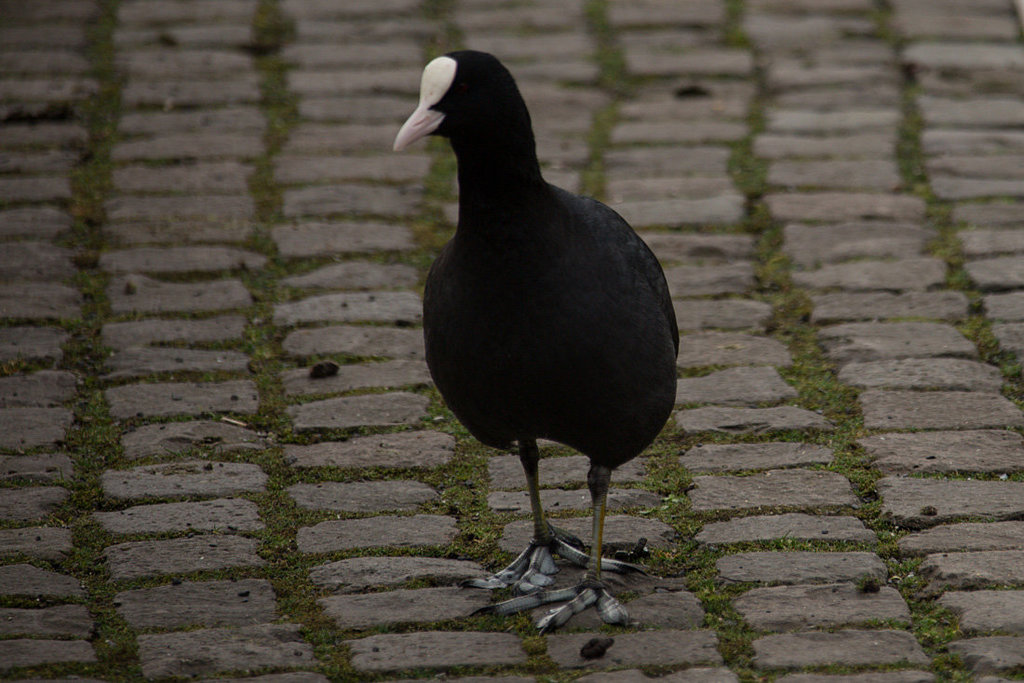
(774, 488)
(42, 389)
(377, 532)
(185, 478)
(36, 261)
(180, 260)
(994, 214)
(138, 559)
(355, 275)
(384, 307)
(182, 398)
(45, 543)
(32, 343)
(938, 410)
(735, 386)
(790, 608)
(722, 210)
(749, 420)
(651, 189)
(45, 468)
(20, 652)
(800, 567)
(810, 245)
(29, 427)
(138, 362)
(39, 301)
(435, 650)
(951, 374)
(977, 569)
(724, 314)
(860, 145)
(946, 451)
(648, 648)
(140, 294)
(378, 200)
(389, 374)
(376, 410)
(727, 348)
(356, 574)
(861, 306)
(732, 278)
(122, 335)
(841, 174)
(990, 610)
(209, 651)
(965, 536)
(212, 177)
(362, 496)
(753, 456)
(356, 340)
(207, 603)
(222, 514)
(990, 655)
(920, 503)
(29, 503)
(176, 438)
(416, 449)
(698, 247)
(190, 145)
(59, 620)
(402, 606)
(901, 275)
(995, 274)
(884, 341)
(847, 647)
(28, 580)
(35, 222)
(844, 206)
(991, 242)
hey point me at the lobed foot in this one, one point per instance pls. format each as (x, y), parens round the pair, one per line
(577, 598)
(534, 568)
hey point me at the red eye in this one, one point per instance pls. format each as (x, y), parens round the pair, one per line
(462, 87)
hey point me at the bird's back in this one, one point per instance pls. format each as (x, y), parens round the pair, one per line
(555, 324)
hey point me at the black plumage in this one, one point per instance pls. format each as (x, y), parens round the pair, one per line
(545, 316)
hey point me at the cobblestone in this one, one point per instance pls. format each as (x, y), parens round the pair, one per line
(356, 574)
(790, 608)
(790, 488)
(209, 651)
(761, 456)
(919, 503)
(376, 532)
(434, 649)
(800, 567)
(847, 647)
(175, 267)
(137, 559)
(945, 451)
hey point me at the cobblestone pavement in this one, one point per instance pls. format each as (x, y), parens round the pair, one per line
(200, 213)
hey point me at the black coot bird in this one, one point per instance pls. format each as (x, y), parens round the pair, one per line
(545, 316)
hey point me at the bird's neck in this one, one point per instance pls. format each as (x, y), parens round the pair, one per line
(498, 176)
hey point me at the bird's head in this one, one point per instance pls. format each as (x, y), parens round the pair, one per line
(466, 96)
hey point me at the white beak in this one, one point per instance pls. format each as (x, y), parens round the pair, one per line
(420, 124)
(438, 76)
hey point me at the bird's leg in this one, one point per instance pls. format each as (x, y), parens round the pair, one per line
(590, 591)
(532, 570)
